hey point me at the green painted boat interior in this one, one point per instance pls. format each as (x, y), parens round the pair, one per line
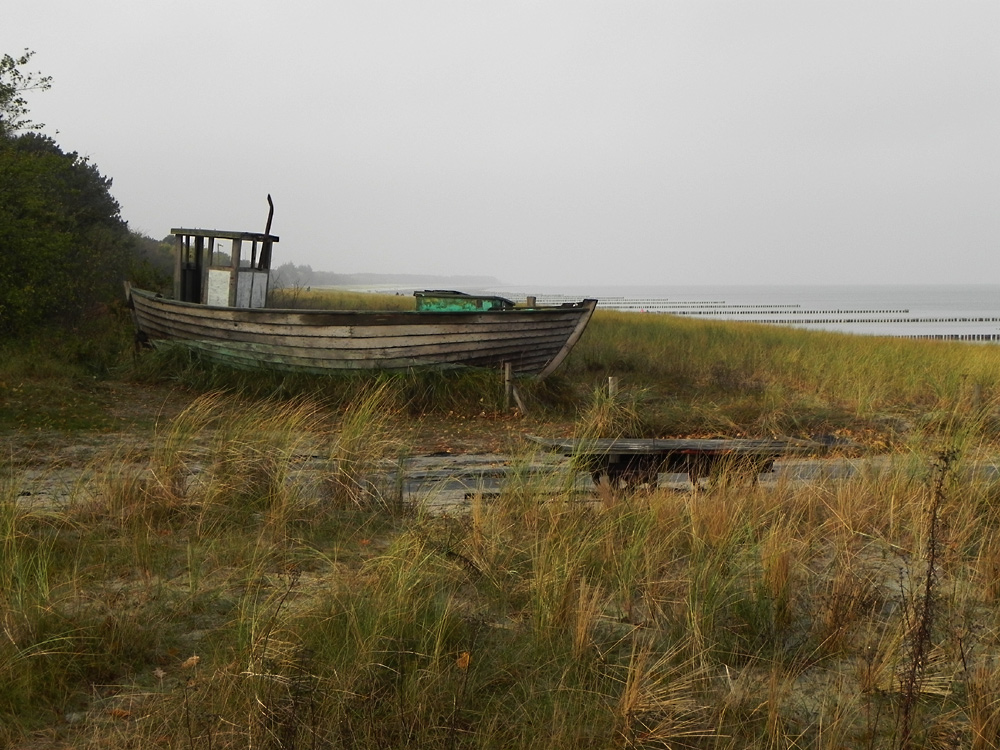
(448, 301)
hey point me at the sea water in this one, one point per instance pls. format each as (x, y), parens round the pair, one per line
(966, 312)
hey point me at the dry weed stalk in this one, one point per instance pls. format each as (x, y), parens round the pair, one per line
(922, 622)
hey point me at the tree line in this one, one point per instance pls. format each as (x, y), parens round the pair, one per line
(291, 276)
(64, 247)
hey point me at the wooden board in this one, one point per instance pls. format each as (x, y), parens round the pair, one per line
(631, 462)
(663, 446)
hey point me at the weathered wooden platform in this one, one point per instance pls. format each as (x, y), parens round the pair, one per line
(632, 461)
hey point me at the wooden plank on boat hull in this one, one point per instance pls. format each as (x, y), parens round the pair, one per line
(535, 349)
(247, 359)
(251, 354)
(254, 360)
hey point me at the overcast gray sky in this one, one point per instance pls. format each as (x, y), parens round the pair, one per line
(578, 142)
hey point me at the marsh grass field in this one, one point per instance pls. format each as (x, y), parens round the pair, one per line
(197, 587)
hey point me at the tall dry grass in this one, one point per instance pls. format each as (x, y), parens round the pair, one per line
(258, 613)
(246, 579)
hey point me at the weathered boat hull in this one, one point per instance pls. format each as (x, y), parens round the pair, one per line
(534, 341)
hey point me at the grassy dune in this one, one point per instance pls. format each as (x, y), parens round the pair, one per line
(708, 377)
(244, 578)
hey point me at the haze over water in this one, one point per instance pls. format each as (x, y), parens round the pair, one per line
(898, 310)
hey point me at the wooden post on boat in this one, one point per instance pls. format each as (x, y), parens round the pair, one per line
(178, 267)
(265, 247)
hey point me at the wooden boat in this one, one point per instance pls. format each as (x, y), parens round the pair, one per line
(219, 310)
